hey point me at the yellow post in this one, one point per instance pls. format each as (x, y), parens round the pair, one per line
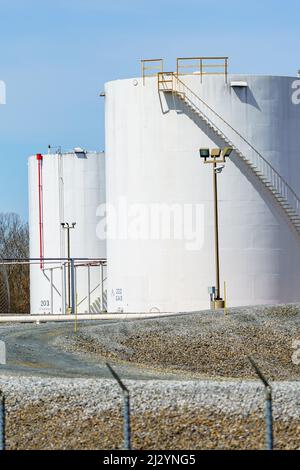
(225, 299)
(75, 324)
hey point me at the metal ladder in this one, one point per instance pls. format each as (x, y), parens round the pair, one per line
(169, 82)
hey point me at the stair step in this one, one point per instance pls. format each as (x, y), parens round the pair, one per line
(294, 215)
(286, 206)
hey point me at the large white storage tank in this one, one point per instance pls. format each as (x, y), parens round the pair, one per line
(65, 187)
(152, 150)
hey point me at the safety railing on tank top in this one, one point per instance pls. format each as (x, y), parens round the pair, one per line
(150, 68)
(202, 66)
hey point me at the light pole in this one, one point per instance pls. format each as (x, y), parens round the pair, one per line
(68, 227)
(214, 157)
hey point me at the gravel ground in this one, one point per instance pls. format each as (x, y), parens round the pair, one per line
(221, 410)
(86, 414)
(208, 343)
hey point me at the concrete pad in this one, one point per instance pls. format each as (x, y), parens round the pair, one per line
(23, 318)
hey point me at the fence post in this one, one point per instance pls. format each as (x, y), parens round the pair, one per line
(268, 406)
(51, 290)
(101, 288)
(126, 409)
(2, 421)
(89, 289)
(73, 287)
(225, 298)
(269, 419)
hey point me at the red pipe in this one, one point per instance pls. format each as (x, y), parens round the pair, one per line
(39, 158)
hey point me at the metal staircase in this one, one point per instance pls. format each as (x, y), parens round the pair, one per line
(169, 82)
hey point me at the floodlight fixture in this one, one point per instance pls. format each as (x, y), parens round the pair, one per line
(204, 153)
(215, 153)
(227, 152)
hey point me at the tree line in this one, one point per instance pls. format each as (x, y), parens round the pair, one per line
(14, 278)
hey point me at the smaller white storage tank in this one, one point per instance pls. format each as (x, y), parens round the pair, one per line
(65, 188)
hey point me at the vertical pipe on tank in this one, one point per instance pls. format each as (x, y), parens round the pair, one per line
(61, 203)
(39, 158)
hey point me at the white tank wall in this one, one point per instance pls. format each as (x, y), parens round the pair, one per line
(152, 157)
(73, 188)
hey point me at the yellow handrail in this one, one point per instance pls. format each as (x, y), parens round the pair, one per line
(157, 66)
(199, 66)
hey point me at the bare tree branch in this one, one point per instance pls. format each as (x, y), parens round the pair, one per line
(14, 243)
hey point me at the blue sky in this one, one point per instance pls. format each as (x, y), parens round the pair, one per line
(55, 56)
